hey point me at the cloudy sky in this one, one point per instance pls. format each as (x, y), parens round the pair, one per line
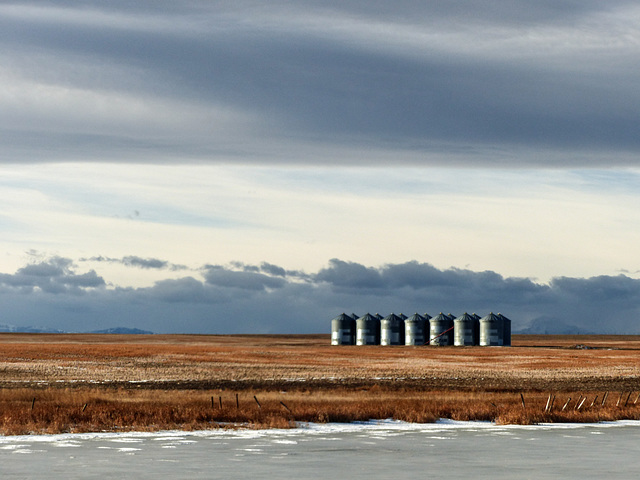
(230, 167)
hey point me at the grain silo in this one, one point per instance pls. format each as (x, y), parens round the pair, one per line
(466, 330)
(506, 329)
(343, 330)
(416, 329)
(441, 330)
(392, 330)
(491, 331)
(368, 330)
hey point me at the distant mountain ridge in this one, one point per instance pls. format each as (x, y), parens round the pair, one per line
(123, 331)
(114, 330)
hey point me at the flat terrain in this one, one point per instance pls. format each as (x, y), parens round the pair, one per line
(207, 362)
(75, 383)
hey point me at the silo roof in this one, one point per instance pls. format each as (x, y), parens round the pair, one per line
(492, 317)
(392, 318)
(343, 316)
(465, 317)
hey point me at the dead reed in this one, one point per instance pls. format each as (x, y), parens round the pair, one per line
(28, 411)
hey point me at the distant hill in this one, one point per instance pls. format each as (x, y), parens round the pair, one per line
(123, 331)
(28, 329)
(553, 326)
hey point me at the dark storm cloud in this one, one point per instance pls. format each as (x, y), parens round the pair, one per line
(230, 299)
(506, 82)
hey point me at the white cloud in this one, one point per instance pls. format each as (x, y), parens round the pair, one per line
(521, 223)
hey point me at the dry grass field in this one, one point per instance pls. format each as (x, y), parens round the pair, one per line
(59, 383)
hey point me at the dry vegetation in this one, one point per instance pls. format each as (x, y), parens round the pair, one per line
(63, 383)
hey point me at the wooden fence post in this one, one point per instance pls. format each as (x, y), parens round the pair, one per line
(565, 405)
(256, 399)
(577, 402)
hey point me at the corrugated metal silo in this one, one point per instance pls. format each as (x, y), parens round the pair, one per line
(416, 329)
(427, 327)
(507, 330)
(368, 330)
(343, 330)
(477, 317)
(403, 316)
(491, 331)
(438, 326)
(378, 316)
(392, 330)
(466, 330)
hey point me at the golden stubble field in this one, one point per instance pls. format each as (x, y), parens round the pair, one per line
(84, 382)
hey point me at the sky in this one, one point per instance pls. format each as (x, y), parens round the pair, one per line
(251, 167)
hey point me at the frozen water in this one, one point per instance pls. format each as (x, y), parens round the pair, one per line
(369, 450)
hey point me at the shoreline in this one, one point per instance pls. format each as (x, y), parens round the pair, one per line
(316, 429)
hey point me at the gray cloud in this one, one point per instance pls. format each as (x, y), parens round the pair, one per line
(54, 275)
(243, 280)
(139, 262)
(425, 83)
(232, 299)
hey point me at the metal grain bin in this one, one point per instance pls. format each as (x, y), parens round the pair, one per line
(368, 330)
(416, 329)
(392, 330)
(506, 329)
(466, 330)
(491, 331)
(441, 330)
(343, 330)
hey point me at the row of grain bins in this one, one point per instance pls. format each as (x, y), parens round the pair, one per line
(443, 329)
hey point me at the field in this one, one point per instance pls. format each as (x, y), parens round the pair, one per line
(60, 383)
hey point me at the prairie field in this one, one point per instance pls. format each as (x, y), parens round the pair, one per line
(81, 382)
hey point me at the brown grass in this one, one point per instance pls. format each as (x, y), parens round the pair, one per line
(93, 409)
(167, 381)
